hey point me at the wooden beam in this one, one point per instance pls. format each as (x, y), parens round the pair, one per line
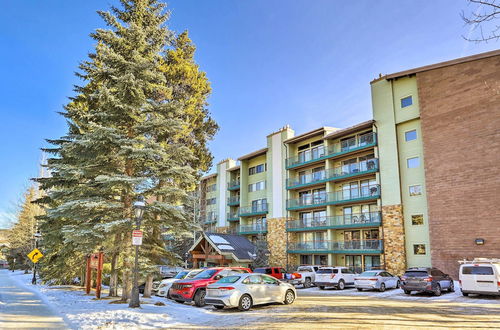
(208, 256)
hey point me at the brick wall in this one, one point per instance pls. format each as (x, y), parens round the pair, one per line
(460, 112)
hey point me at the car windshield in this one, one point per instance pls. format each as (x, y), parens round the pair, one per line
(193, 274)
(207, 273)
(477, 270)
(259, 270)
(229, 279)
(327, 271)
(367, 274)
(180, 275)
(416, 274)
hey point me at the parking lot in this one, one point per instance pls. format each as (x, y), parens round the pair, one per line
(315, 309)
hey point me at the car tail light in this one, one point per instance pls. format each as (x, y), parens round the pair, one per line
(428, 279)
(228, 288)
(460, 282)
(498, 283)
(372, 279)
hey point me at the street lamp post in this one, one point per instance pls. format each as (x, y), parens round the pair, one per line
(36, 236)
(139, 206)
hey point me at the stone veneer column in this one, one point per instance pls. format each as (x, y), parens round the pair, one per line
(276, 241)
(394, 239)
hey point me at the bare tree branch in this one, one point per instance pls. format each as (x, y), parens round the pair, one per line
(485, 13)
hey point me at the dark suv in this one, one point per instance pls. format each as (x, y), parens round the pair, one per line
(426, 280)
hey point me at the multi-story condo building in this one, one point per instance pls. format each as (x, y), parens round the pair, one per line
(439, 145)
(416, 186)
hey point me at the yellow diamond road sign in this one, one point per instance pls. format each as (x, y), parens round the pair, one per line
(35, 255)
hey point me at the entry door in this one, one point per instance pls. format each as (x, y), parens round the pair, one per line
(354, 263)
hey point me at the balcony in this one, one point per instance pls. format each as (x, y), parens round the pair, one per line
(248, 211)
(208, 220)
(357, 220)
(339, 247)
(334, 174)
(260, 228)
(369, 192)
(233, 216)
(233, 201)
(360, 142)
(233, 185)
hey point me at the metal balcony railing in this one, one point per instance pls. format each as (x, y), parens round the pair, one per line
(253, 229)
(337, 173)
(345, 196)
(352, 220)
(342, 147)
(233, 200)
(253, 210)
(233, 216)
(233, 184)
(370, 245)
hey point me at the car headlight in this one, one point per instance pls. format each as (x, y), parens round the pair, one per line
(162, 285)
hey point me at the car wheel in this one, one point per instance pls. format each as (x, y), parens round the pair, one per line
(465, 294)
(437, 290)
(289, 297)
(218, 307)
(452, 287)
(321, 287)
(398, 284)
(382, 287)
(199, 298)
(407, 291)
(359, 289)
(245, 303)
(180, 301)
(341, 285)
(307, 283)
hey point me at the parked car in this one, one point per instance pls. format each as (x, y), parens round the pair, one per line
(246, 290)
(307, 275)
(280, 274)
(337, 277)
(195, 289)
(423, 279)
(169, 271)
(376, 279)
(480, 276)
(166, 284)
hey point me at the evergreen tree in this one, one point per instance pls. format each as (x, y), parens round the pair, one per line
(138, 126)
(20, 236)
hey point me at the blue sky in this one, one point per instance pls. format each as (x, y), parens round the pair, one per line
(304, 63)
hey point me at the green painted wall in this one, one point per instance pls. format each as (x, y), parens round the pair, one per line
(392, 122)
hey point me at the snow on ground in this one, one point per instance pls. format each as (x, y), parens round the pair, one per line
(85, 312)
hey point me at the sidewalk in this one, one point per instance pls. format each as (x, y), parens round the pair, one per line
(23, 309)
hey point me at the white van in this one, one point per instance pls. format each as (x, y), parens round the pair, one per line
(480, 276)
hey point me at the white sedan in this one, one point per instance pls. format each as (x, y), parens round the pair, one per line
(246, 290)
(376, 279)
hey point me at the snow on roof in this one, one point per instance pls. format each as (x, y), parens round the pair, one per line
(217, 239)
(225, 247)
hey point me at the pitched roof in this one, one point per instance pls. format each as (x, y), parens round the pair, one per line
(351, 129)
(304, 136)
(438, 65)
(238, 247)
(253, 154)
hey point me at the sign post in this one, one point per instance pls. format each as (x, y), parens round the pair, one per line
(94, 261)
(137, 237)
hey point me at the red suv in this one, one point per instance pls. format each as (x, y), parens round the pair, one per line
(195, 289)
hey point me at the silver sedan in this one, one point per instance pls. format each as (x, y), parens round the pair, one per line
(376, 279)
(246, 290)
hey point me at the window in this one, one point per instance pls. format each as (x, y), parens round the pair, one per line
(212, 187)
(254, 279)
(419, 249)
(477, 270)
(211, 201)
(411, 135)
(261, 185)
(417, 219)
(415, 190)
(257, 169)
(406, 101)
(413, 162)
(269, 280)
